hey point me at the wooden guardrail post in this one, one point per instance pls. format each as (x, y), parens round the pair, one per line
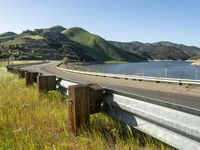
(79, 108)
(35, 76)
(29, 78)
(46, 83)
(83, 101)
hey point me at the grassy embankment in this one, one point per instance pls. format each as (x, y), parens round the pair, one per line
(27, 122)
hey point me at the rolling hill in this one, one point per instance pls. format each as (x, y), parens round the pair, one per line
(43, 44)
(99, 47)
(160, 50)
(53, 43)
(77, 44)
(4, 35)
(7, 36)
(57, 28)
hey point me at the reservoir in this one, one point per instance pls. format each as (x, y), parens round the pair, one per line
(171, 69)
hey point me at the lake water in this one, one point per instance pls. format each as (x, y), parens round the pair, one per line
(172, 69)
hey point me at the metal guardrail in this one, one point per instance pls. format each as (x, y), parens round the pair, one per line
(180, 129)
(136, 77)
(175, 125)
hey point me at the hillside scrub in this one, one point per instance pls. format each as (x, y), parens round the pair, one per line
(30, 122)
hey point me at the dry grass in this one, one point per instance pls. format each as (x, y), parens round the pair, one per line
(30, 122)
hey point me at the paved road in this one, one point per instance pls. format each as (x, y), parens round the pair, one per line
(182, 95)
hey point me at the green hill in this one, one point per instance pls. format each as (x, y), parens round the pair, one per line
(55, 43)
(99, 47)
(7, 36)
(44, 44)
(52, 29)
(77, 44)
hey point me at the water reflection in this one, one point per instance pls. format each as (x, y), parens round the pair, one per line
(172, 69)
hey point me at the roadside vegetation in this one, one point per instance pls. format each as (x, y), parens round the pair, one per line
(30, 122)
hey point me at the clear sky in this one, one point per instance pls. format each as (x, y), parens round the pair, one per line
(121, 20)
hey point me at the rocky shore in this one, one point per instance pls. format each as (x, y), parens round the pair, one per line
(196, 62)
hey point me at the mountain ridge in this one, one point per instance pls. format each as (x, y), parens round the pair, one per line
(160, 50)
(77, 44)
(51, 43)
(102, 49)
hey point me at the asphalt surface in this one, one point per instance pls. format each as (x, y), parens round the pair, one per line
(177, 94)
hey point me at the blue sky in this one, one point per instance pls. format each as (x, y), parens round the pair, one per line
(121, 20)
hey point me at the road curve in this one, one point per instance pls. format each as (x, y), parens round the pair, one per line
(181, 95)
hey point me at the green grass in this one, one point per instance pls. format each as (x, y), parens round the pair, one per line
(30, 122)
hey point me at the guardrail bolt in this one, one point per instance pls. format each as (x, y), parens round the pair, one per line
(29, 78)
(46, 83)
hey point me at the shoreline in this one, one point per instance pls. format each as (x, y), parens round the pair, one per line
(155, 60)
(90, 68)
(196, 63)
(123, 62)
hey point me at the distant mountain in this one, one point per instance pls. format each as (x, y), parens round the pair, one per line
(160, 50)
(101, 49)
(189, 50)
